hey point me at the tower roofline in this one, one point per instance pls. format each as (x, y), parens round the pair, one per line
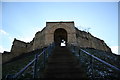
(59, 21)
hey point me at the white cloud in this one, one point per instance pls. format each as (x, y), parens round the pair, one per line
(25, 39)
(3, 32)
(6, 36)
(29, 37)
(5, 41)
(11, 38)
(114, 49)
(1, 49)
(35, 29)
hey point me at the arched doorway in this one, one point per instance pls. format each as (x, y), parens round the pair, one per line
(60, 35)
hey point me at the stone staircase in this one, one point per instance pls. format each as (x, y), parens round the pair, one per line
(63, 64)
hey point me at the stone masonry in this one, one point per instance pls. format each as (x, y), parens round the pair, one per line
(47, 36)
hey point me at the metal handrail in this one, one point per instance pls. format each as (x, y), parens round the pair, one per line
(101, 60)
(22, 70)
(30, 63)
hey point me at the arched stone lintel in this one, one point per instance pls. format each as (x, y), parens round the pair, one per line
(52, 29)
(49, 33)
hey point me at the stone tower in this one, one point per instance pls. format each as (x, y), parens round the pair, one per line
(55, 32)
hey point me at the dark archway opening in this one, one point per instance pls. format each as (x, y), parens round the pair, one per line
(60, 36)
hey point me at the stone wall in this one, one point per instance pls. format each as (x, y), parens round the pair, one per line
(39, 40)
(52, 26)
(46, 36)
(19, 47)
(7, 56)
(30, 46)
(86, 40)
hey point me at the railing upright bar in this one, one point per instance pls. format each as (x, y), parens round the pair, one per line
(44, 59)
(22, 70)
(92, 69)
(49, 51)
(35, 67)
(101, 60)
(92, 59)
(79, 53)
(35, 60)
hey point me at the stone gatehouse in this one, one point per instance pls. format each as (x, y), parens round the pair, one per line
(55, 32)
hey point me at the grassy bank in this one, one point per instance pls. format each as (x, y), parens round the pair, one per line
(16, 64)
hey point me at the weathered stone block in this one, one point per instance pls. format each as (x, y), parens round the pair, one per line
(47, 36)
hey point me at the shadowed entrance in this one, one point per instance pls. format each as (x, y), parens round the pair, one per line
(60, 35)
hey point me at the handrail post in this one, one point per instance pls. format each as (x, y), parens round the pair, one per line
(44, 59)
(35, 66)
(91, 62)
(79, 53)
(74, 48)
(51, 47)
(10, 76)
(49, 50)
(34, 63)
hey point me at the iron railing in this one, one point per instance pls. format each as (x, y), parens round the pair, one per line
(78, 52)
(45, 53)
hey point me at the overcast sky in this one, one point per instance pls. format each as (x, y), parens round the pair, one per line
(22, 20)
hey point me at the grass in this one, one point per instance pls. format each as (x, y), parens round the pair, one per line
(99, 70)
(106, 56)
(18, 63)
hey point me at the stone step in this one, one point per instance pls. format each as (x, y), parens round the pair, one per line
(63, 70)
(62, 64)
